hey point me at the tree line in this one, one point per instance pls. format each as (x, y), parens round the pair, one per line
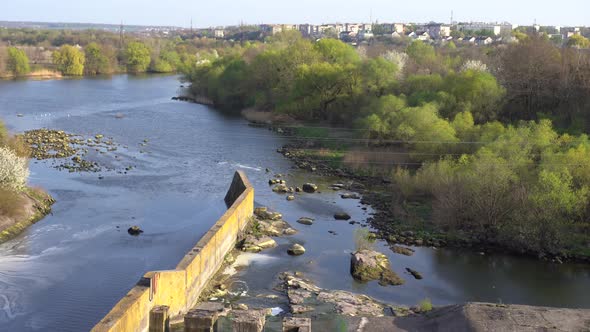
(76, 53)
(497, 135)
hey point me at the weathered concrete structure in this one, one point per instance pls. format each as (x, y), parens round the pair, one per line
(180, 288)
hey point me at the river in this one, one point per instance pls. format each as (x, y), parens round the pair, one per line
(66, 272)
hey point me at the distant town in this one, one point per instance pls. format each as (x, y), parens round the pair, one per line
(476, 33)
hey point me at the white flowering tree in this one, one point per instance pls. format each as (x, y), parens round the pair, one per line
(398, 58)
(474, 65)
(14, 170)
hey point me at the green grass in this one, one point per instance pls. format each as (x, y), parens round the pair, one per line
(311, 132)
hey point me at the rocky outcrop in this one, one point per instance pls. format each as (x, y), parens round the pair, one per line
(304, 296)
(257, 243)
(367, 265)
(270, 223)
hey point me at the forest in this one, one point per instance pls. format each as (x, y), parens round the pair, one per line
(497, 136)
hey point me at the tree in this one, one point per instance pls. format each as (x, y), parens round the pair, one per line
(14, 170)
(578, 41)
(379, 76)
(18, 62)
(335, 51)
(69, 60)
(137, 56)
(96, 61)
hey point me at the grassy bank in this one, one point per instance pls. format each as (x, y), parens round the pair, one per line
(34, 205)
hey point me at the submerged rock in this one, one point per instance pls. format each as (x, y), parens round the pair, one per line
(296, 250)
(342, 216)
(367, 265)
(310, 188)
(306, 221)
(414, 273)
(134, 230)
(402, 250)
(290, 198)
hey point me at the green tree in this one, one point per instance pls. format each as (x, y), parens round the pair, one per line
(96, 62)
(578, 41)
(137, 56)
(69, 60)
(379, 76)
(335, 51)
(422, 53)
(17, 62)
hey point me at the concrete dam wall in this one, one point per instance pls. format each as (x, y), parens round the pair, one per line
(180, 288)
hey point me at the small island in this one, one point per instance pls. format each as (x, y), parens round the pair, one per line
(20, 205)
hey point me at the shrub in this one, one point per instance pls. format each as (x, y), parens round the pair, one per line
(425, 305)
(14, 170)
(363, 239)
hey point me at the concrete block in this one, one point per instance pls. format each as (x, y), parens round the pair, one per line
(159, 321)
(198, 320)
(248, 320)
(296, 324)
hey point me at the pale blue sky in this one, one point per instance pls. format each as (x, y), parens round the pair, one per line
(207, 13)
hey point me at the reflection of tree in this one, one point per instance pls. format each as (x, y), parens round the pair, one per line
(512, 279)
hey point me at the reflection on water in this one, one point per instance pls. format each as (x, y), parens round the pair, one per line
(65, 272)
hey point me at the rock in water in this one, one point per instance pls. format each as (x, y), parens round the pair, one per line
(415, 273)
(310, 188)
(257, 244)
(341, 216)
(350, 196)
(296, 250)
(134, 230)
(305, 221)
(280, 188)
(367, 265)
(290, 198)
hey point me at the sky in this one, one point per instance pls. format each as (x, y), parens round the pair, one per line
(207, 13)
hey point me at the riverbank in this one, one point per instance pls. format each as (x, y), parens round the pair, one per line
(34, 205)
(396, 222)
(42, 74)
(410, 227)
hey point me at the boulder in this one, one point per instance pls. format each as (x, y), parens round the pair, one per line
(341, 216)
(281, 188)
(367, 265)
(305, 221)
(134, 230)
(310, 188)
(290, 198)
(296, 250)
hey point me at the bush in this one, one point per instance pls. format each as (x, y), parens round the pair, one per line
(14, 170)
(363, 239)
(425, 305)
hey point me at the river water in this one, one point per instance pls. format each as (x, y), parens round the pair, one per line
(66, 272)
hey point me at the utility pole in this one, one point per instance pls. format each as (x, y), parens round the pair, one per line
(191, 25)
(452, 17)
